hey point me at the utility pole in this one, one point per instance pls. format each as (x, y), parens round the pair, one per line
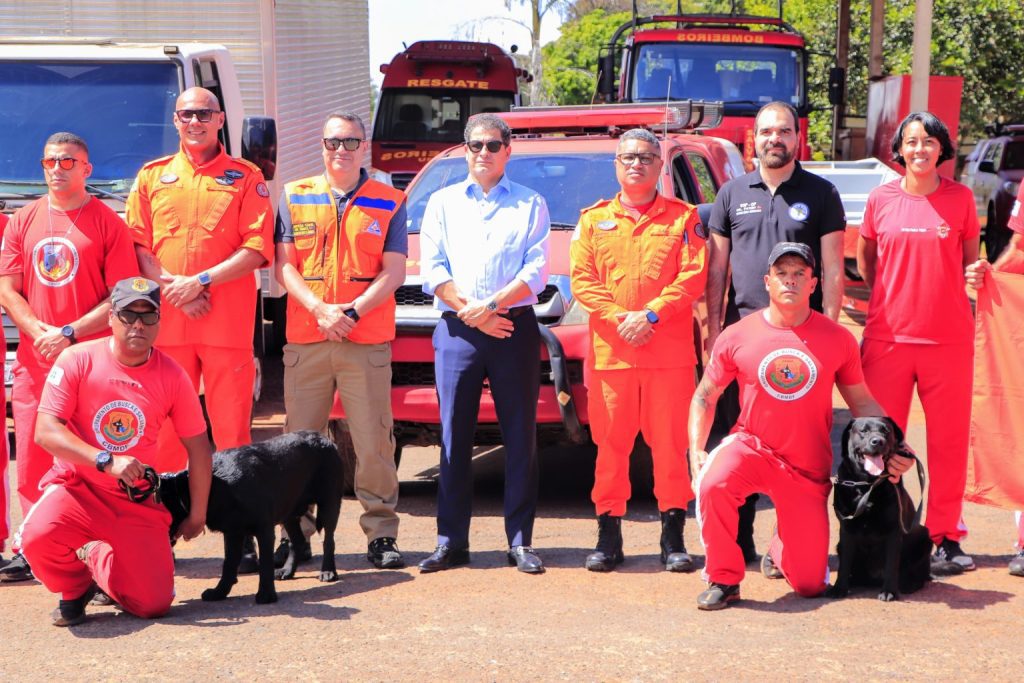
(921, 65)
(875, 64)
(843, 62)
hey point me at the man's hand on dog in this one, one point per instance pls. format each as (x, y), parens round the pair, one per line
(192, 527)
(899, 463)
(127, 469)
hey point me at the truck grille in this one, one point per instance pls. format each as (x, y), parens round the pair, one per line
(422, 374)
(412, 295)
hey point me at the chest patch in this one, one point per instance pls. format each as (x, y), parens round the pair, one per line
(373, 228)
(799, 211)
(747, 208)
(607, 225)
(168, 178)
(787, 374)
(55, 261)
(224, 180)
(942, 230)
(304, 229)
(118, 426)
(232, 173)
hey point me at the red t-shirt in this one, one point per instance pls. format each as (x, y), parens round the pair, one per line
(66, 271)
(1016, 222)
(919, 295)
(118, 408)
(786, 377)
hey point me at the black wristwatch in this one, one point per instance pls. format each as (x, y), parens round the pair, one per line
(352, 313)
(69, 334)
(492, 305)
(103, 459)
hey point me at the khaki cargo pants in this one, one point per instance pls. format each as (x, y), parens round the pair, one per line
(361, 374)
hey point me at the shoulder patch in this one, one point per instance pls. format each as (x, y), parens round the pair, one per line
(701, 230)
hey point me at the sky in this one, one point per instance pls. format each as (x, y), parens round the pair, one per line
(393, 22)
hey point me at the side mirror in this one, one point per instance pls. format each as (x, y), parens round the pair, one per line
(836, 85)
(606, 75)
(259, 143)
(986, 167)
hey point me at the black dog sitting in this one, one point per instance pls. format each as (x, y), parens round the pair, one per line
(258, 486)
(881, 543)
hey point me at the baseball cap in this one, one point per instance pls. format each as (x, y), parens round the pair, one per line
(795, 248)
(135, 289)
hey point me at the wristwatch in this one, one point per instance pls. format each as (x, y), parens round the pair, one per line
(69, 333)
(204, 279)
(352, 313)
(652, 317)
(492, 305)
(103, 459)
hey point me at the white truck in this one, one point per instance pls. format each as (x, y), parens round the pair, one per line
(111, 73)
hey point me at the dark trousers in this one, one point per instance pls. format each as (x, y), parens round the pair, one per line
(463, 359)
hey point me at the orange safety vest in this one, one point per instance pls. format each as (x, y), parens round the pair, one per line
(338, 264)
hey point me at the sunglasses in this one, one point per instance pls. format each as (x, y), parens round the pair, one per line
(476, 146)
(66, 163)
(130, 317)
(630, 159)
(204, 115)
(350, 144)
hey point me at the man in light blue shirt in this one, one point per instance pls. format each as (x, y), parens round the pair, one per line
(484, 254)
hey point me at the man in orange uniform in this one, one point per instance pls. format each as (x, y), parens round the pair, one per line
(5, 507)
(202, 223)
(638, 262)
(61, 256)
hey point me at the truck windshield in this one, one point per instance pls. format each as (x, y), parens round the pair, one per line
(568, 183)
(424, 116)
(748, 76)
(122, 111)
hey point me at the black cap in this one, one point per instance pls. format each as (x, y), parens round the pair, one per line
(796, 248)
(135, 289)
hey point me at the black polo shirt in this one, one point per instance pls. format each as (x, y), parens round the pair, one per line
(804, 208)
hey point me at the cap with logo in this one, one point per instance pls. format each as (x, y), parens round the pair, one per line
(134, 289)
(791, 248)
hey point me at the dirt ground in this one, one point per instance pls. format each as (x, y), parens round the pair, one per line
(488, 622)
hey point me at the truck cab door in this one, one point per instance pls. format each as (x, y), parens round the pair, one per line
(207, 76)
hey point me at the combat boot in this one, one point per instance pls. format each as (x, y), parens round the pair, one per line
(673, 551)
(608, 553)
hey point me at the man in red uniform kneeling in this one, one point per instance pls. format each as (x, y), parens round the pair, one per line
(786, 358)
(101, 411)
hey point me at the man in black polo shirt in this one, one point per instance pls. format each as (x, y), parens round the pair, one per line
(777, 202)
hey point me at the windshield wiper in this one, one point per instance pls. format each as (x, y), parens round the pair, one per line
(105, 193)
(563, 226)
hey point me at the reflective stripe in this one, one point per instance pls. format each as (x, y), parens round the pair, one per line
(309, 198)
(372, 203)
(17, 536)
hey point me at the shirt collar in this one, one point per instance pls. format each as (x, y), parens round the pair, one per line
(794, 180)
(657, 207)
(363, 177)
(473, 189)
(216, 159)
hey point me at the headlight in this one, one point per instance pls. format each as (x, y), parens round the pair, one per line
(575, 315)
(1011, 188)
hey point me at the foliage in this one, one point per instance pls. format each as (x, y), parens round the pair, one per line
(979, 40)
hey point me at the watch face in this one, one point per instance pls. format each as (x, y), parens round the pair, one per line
(68, 331)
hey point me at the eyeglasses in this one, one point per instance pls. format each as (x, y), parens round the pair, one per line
(147, 318)
(630, 159)
(204, 115)
(350, 144)
(476, 146)
(67, 163)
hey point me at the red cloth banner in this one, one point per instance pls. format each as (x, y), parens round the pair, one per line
(995, 465)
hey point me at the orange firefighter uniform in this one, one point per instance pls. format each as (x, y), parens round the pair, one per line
(193, 218)
(657, 262)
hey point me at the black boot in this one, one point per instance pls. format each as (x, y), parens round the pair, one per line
(608, 552)
(745, 530)
(673, 551)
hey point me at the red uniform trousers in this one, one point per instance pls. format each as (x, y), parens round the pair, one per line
(33, 462)
(944, 374)
(5, 494)
(651, 401)
(740, 466)
(132, 561)
(227, 375)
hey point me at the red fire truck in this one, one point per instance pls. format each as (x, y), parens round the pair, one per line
(428, 94)
(744, 61)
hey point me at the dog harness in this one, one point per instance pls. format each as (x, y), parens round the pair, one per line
(864, 502)
(138, 495)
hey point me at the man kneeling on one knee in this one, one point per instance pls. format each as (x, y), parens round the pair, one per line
(786, 359)
(100, 414)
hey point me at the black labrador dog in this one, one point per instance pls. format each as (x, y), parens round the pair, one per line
(881, 543)
(257, 487)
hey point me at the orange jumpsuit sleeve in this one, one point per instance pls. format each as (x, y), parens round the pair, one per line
(256, 218)
(587, 286)
(678, 296)
(138, 214)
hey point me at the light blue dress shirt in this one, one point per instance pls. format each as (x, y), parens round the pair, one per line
(483, 242)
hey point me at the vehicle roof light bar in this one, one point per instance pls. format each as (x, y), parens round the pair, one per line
(676, 116)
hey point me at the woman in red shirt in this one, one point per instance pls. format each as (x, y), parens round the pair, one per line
(918, 235)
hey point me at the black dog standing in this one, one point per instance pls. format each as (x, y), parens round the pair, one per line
(257, 487)
(881, 540)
